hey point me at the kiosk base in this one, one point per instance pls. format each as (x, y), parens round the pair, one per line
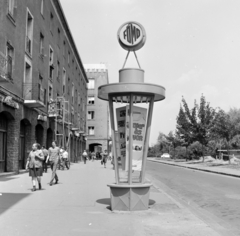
(133, 197)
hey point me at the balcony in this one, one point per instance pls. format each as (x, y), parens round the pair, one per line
(34, 95)
(28, 45)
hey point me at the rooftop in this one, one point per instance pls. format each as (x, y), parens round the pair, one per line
(95, 67)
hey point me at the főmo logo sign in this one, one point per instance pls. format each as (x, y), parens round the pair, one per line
(131, 36)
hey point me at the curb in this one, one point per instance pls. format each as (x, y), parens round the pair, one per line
(6, 174)
(199, 169)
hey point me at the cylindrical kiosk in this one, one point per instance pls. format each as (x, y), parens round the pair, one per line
(131, 106)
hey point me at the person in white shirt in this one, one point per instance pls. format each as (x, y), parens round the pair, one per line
(65, 159)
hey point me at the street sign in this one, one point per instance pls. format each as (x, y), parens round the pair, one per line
(131, 36)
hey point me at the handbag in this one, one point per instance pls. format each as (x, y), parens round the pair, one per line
(101, 162)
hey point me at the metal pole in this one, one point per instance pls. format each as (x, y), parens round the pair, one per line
(137, 59)
(130, 149)
(126, 59)
(113, 138)
(146, 140)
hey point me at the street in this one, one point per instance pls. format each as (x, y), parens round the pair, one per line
(212, 197)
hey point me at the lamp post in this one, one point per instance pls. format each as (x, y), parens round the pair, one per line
(131, 138)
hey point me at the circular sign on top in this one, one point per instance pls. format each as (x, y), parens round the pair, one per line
(131, 36)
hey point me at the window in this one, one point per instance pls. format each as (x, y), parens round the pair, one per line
(27, 93)
(51, 22)
(41, 49)
(91, 84)
(72, 93)
(64, 48)
(91, 100)
(68, 57)
(50, 92)
(29, 33)
(42, 6)
(76, 97)
(11, 7)
(64, 81)
(59, 36)
(79, 100)
(10, 54)
(69, 86)
(58, 70)
(41, 91)
(91, 130)
(90, 115)
(51, 66)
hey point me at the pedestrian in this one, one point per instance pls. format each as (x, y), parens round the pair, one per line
(104, 158)
(65, 159)
(90, 155)
(84, 156)
(53, 157)
(45, 154)
(34, 163)
(93, 156)
(61, 164)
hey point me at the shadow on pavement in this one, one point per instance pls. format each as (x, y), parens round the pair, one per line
(104, 201)
(4, 179)
(7, 200)
(151, 202)
(107, 201)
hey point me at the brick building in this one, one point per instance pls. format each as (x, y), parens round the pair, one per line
(97, 110)
(39, 64)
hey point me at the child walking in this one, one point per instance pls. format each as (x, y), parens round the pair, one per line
(34, 163)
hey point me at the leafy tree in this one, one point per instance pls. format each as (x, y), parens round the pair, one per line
(223, 127)
(173, 140)
(183, 129)
(162, 142)
(195, 124)
(234, 116)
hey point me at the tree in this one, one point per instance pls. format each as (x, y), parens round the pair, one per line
(183, 129)
(195, 124)
(173, 141)
(202, 128)
(234, 116)
(223, 127)
(162, 142)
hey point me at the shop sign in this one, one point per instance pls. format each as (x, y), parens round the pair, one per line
(42, 118)
(9, 101)
(52, 111)
(131, 36)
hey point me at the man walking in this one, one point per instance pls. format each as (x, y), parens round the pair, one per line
(65, 159)
(84, 155)
(45, 153)
(53, 157)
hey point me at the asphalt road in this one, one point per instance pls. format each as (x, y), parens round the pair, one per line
(214, 198)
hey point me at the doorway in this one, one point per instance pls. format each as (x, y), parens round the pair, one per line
(3, 143)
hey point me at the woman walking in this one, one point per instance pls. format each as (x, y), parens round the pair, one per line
(104, 158)
(34, 163)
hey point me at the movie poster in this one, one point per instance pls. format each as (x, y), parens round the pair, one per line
(138, 135)
(121, 137)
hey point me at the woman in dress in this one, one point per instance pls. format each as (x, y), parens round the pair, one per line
(34, 163)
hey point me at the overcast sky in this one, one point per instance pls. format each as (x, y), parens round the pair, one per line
(192, 47)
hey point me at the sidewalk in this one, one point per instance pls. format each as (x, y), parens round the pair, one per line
(79, 205)
(223, 170)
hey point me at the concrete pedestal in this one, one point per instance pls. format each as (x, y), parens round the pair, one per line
(129, 197)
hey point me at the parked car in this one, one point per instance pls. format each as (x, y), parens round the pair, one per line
(165, 155)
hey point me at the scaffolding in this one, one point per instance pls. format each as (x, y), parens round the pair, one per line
(62, 120)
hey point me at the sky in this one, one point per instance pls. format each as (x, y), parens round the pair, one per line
(192, 48)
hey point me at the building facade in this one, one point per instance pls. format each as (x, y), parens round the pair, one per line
(97, 109)
(43, 84)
